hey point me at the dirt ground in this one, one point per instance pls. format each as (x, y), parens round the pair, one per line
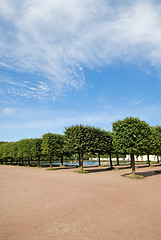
(36, 204)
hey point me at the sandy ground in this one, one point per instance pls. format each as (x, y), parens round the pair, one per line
(36, 204)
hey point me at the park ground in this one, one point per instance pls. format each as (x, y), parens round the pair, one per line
(36, 204)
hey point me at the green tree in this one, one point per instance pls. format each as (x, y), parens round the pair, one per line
(12, 151)
(132, 136)
(4, 152)
(157, 141)
(20, 151)
(83, 140)
(103, 144)
(35, 150)
(52, 145)
(63, 150)
(24, 150)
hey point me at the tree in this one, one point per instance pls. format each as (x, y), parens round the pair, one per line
(12, 151)
(52, 145)
(83, 139)
(157, 136)
(103, 144)
(4, 152)
(35, 150)
(24, 150)
(63, 151)
(132, 136)
(20, 151)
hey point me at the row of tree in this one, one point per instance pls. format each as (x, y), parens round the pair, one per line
(129, 136)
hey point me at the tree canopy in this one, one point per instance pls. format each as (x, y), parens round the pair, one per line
(132, 136)
(52, 144)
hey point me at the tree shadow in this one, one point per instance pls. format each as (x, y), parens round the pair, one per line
(64, 167)
(95, 170)
(156, 164)
(146, 174)
(142, 166)
(123, 167)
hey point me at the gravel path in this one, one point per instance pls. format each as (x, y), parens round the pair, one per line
(36, 204)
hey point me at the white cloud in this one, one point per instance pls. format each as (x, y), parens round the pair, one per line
(136, 102)
(58, 39)
(9, 110)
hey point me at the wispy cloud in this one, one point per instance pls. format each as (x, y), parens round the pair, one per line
(136, 102)
(56, 40)
(9, 110)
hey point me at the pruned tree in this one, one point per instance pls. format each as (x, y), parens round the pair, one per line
(52, 145)
(157, 136)
(132, 136)
(4, 152)
(103, 144)
(24, 150)
(35, 150)
(84, 139)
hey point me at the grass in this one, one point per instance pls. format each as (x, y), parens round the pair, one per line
(51, 169)
(82, 171)
(135, 176)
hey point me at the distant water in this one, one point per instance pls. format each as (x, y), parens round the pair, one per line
(85, 163)
(89, 163)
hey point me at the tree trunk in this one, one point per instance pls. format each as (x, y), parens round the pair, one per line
(22, 162)
(79, 160)
(19, 161)
(1, 161)
(82, 160)
(118, 163)
(111, 165)
(29, 161)
(62, 160)
(51, 162)
(39, 161)
(99, 161)
(148, 160)
(6, 161)
(133, 163)
(157, 159)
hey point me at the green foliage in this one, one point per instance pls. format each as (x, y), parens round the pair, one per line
(2, 142)
(82, 139)
(156, 140)
(87, 139)
(52, 144)
(132, 136)
(103, 142)
(24, 148)
(35, 149)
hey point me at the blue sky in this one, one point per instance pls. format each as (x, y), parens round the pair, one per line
(77, 62)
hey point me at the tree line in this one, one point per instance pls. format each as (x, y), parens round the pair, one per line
(128, 136)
